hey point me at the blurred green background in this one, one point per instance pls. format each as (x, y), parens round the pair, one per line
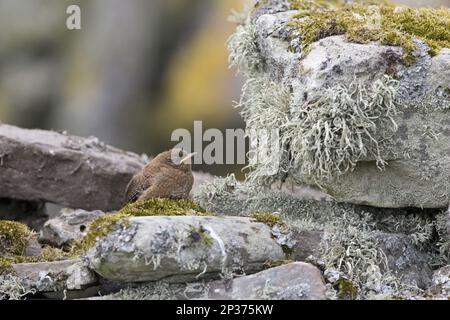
(136, 71)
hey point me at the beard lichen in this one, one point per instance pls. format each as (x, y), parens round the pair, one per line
(324, 138)
(363, 22)
(264, 107)
(243, 47)
(328, 136)
(13, 288)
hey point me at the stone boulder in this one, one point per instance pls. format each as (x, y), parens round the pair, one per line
(294, 281)
(84, 173)
(59, 279)
(183, 249)
(357, 119)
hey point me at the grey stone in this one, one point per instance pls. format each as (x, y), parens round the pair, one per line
(69, 226)
(68, 170)
(440, 285)
(58, 276)
(404, 259)
(183, 249)
(418, 169)
(294, 281)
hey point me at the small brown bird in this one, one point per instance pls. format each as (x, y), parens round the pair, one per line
(168, 175)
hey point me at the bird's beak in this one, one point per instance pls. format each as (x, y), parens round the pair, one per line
(189, 156)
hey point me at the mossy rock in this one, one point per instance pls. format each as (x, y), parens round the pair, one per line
(103, 225)
(366, 21)
(14, 240)
(357, 95)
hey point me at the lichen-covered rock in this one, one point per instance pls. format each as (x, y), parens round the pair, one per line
(69, 226)
(183, 249)
(76, 172)
(405, 260)
(361, 108)
(376, 250)
(294, 281)
(440, 287)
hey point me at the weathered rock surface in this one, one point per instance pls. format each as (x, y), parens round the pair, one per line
(183, 249)
(294, 281)
(71, 275)
(70, 225)
(75, 172)
(404, 259)
(440, 287)
(418, 170)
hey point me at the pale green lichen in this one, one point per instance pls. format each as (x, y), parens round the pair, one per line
(265, 108)
(243, 48)
(13, 288)
(363, 22)
(328, 136)
(323, 139)
(443, 244)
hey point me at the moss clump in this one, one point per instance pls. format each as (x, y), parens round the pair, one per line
(102, 226)
(270, 219)
(346, 290)
(200, 237)
(14, 238)
(361, 22)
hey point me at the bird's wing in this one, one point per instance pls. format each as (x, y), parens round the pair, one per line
(135, 187)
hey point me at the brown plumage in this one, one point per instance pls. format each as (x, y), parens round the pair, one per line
(168, 175)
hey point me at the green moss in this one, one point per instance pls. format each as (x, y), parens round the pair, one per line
(276, 263)
(14, 238)
(361, 22)
(154, 207)
(270, 219)
(346, 289)
(200, 237)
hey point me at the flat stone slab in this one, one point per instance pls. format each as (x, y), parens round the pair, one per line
(71, 171)
(294, 281)
(55, 276)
